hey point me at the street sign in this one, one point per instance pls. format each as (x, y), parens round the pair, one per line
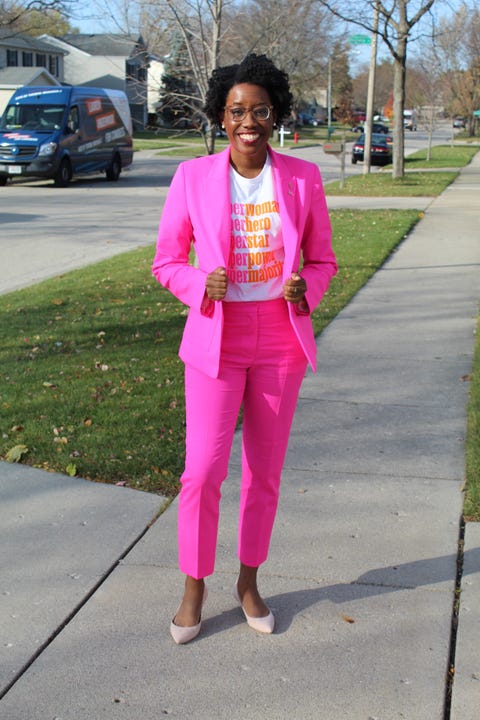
(476, 113)
(360, 40)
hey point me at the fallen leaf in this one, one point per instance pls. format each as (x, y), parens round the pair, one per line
(16, 453)
(71, 470)
(347, 619)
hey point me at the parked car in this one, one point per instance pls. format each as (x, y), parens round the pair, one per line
(381, 149)
(380, 128)
(359, 116)
(459, 122)
(306, 119)
(376, 128)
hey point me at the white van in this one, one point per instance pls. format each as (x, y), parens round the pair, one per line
(59, 132)
(410, 120)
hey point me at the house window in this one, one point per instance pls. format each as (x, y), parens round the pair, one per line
(53, 64)
(27, 59)
(41, 60)
(12, 58)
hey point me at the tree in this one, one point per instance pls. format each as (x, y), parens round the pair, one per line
(424, 91)
(222, 32)
(287, 31)
(397, 21)
(39, 22)
(178, 96)
(457, 47)
(383, 86)
(342, 87)
(26, 16)
(199, 23)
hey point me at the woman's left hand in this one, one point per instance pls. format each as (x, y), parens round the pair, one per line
(294, 289)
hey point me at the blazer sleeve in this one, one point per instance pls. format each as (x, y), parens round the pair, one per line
(172, 266)
(319, 262)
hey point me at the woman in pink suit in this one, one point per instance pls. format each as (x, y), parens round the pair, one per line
(259, 226)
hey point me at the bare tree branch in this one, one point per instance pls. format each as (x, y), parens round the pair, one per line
(396, 29)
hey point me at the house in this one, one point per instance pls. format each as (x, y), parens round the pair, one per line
(25, 60)
(120, 62)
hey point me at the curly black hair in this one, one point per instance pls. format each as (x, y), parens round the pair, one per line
(255, 70)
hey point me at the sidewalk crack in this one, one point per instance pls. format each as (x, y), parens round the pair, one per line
(67, 620)
(454, 622)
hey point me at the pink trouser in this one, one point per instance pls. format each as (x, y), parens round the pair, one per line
(262, 366)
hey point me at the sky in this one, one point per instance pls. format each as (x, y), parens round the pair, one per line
(84, 14)
(92, 17)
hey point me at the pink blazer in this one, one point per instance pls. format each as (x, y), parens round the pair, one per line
(197, 210)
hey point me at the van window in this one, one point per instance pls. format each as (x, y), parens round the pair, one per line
(73, 122)
(42, 118)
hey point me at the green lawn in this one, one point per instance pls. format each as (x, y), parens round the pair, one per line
(472, 489)
(441, 156)
(382, 184)
(89, 375)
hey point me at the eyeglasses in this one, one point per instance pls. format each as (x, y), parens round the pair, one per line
(261, 112)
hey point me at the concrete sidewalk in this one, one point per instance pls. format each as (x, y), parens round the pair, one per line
(364, 555)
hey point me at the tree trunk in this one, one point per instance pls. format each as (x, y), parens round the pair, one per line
(398, 108)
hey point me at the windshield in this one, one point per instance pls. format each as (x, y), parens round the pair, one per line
(41, 118)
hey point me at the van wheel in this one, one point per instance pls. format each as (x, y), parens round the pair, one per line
(3, 181)
(64, 174)
(114, 169)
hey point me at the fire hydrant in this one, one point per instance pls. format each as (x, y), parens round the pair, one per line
(296, 138)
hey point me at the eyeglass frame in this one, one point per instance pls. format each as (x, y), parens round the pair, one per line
(247, 111)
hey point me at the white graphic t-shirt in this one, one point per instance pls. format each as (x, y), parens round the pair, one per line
(256, 255)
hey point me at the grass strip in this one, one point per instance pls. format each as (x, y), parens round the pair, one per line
(472, 488)
(441, 156)
(382, 184)
(90, 380)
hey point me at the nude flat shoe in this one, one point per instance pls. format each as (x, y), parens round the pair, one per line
(183, 635)
(260, 624)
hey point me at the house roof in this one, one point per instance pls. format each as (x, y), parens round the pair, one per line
(27, 42)
(104, 44)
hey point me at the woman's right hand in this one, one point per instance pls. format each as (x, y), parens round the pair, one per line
(216, 284)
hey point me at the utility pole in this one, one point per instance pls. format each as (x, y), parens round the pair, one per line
(370, 94)
(329, 98)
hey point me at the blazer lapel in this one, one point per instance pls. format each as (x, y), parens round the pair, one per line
(286, 188)
(217, 196)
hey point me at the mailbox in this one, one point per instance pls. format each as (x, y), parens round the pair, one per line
(333, 147)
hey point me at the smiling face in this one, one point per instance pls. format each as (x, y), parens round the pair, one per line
(248, 137)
